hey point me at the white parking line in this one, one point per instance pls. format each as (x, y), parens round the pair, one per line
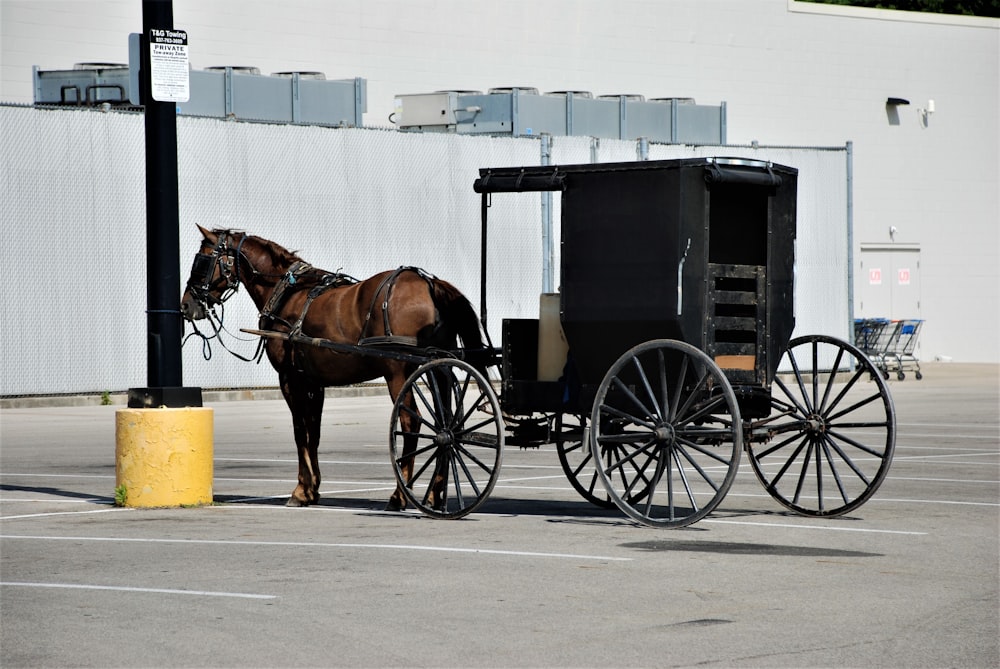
(933, 501)
(159, 591)
(917, 478)
(60, 476)
(828, 528)
(876, 499)
(309, 544)
(37, 500)
(56, 513)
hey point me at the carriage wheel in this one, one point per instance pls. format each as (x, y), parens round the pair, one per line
(446, 438)
(577, 461)
(833, 434)
(666, 429)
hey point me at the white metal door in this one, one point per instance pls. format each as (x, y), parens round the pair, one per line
(888, 285)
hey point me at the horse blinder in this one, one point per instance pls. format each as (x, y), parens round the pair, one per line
(203, 281)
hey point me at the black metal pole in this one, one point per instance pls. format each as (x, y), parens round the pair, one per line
(163, 317)
(482, 264)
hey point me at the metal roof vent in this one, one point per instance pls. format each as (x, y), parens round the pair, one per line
(459, 91)
(303, 74)
(237, 69)
(587, 95)
(629, 97)
(100, 66)
(524, 90)
(680, 101)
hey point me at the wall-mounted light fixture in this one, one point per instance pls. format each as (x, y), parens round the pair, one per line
(926, 111)
(892, 106)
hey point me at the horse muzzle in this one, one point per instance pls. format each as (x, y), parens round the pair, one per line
(192, 309)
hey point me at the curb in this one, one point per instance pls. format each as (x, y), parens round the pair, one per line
(208, 396)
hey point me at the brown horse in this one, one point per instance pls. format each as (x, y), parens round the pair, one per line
(401, 307)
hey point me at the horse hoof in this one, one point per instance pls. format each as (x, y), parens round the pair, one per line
(393, 505)
(295, 502)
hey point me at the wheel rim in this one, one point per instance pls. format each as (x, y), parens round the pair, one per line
(666, 427)
(833, 433)
(451, 416)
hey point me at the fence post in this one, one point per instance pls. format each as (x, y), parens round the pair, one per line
(548, 248)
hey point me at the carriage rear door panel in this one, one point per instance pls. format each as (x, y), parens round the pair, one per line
(750, 267)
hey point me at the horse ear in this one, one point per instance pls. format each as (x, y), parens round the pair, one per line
(207, 234)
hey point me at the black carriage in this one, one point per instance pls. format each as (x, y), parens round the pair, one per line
(672, 354)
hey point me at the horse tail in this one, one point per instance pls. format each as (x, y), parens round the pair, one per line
(457, 314)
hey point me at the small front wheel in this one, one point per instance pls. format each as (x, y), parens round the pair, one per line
(446, 438)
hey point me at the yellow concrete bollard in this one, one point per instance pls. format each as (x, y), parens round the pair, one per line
(163, 457)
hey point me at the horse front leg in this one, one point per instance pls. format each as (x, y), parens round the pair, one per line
(305, 400)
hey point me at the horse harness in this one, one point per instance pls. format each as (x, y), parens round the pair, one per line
(387, 285)
(290, 281)
(226, 257)
(295, 275)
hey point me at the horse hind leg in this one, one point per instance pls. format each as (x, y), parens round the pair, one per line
(305, 400)
(409, 426)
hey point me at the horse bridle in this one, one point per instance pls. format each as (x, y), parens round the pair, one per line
(203, 280)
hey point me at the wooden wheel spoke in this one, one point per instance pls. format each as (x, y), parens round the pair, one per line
(635, 400)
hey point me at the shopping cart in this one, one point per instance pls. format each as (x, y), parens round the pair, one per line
(889, 344)
(870, 336)
(898, 353)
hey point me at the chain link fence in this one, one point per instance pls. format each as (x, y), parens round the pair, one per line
(72, 229)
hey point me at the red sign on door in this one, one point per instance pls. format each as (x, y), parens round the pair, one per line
(875, 276)
(903, 276)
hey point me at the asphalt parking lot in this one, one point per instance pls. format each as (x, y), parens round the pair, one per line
(538, 577)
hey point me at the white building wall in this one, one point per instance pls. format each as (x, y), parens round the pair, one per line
(790, 73)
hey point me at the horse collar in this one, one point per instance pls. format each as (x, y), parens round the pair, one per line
(288, 279)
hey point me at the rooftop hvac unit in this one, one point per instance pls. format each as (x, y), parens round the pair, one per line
(229, 91)
(85, 84)
(628, 97)
(521, 111)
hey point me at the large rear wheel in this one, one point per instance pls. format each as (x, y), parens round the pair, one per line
(446, 438)
(666, 431)
(833, 427)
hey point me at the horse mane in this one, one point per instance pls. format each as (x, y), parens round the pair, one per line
(276, 254)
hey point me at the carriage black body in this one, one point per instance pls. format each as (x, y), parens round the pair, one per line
(697, 250)
(677, 281)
